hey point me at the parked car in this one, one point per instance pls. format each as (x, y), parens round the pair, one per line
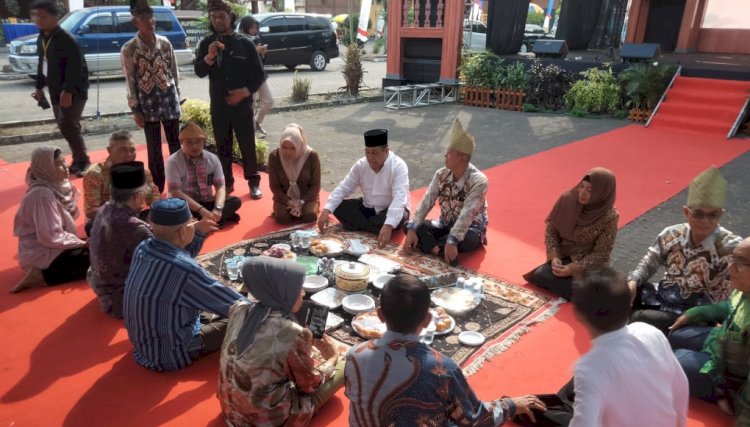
(475, 36)
(101, 32)
(531, 34)
(298, 38)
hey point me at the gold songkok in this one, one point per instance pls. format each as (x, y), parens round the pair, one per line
(192, 131)
(709, 189)
(461, 141)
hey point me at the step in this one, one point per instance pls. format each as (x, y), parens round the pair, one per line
(700, 126)
(714, 84)
(689, 109)
(706, 96)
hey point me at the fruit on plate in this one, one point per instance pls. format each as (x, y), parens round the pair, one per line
(279, 253)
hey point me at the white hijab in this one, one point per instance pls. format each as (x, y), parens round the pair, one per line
(296, 135)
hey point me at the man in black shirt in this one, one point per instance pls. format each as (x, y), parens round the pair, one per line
(235, 72)
(62, 68)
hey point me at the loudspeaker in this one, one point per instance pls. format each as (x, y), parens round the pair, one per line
(550, 48)
(640, 52)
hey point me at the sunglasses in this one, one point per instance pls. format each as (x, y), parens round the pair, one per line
(699, 214)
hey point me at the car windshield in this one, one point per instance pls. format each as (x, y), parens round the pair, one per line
(71, 19)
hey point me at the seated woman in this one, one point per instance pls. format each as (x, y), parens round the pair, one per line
(48, 248)
(580, 233)
(272, 372)
(294, 178)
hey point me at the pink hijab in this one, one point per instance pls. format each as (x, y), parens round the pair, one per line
(43, 173)
(568, 212)
(296, 135)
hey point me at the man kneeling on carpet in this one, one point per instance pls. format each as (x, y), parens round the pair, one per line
(194, 173)
(695, 257)
(715, 359)
(461, 190)
(580, 232)
(272, 370)
(166, 290)
(115, 233)
(398, 381)
(383, 178)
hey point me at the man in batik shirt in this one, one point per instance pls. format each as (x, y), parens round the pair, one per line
(695, 256)
(398, 381)
(150, 69)
(461, 190)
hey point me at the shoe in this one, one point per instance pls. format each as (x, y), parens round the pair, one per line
(255, 192)
(260, 130)
(230, 189)
(234, 219)
(79, 169)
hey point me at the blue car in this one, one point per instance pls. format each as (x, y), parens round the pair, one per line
(101, 32)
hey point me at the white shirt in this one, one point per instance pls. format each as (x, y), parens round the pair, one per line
(387, 189)
(630, 377)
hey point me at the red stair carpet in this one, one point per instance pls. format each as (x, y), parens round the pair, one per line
(63, 363)
(704, 106)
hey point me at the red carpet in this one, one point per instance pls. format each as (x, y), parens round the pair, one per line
(704, 106)
(65, 363)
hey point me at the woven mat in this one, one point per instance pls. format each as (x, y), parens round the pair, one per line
(506, 313)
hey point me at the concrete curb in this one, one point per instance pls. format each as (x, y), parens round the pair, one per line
(94, 129)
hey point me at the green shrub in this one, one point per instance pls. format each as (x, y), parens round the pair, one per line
(530, 108)
(644, 83)
(598, 92)
(546, 85)
(535, 18)
(353, 70)
(481, 69)
(512, 77)
(300, 88)
(378, 45)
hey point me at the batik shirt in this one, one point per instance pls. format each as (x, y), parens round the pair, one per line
(463, 203)
(195, 177)
(694, 274)
(152, 78)
(398, 381)
(270, 383)
(97, 184)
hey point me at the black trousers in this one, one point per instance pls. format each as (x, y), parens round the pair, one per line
(235, 120)
(354, 216)
(431, 236)
(659, 319)
(543, 277)
(69, 266)
(69, 123)
(231, 206)
(153, 146)
(212, 334)
(559, 411)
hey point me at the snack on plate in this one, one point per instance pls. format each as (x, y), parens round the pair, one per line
(319, 247)
(368, 325)
(279, 253)
(328, 246)
(443, 321)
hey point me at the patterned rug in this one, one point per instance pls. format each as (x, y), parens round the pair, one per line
(506, 313)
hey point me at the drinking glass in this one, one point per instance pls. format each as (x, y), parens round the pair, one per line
(428, 334)
(305, 241)
(233, 269)
(296, 240)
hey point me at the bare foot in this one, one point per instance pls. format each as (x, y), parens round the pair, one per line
(33, 278)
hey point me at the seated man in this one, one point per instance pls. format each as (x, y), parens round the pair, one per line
(695, 257)
(96, 181)
(384, 180)
(193, 173)
(166, 290)
(115, 234)
(629, 377)
(715, 359)
(398, 381)
(461, 190)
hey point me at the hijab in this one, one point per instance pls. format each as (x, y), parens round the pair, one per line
(569, 213)
(44, 173)
(292, 168)
(276, 284)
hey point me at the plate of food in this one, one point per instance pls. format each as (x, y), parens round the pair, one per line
(328, 246)
(279, 252)
(444, 322)
(456, 301)
(368, 325)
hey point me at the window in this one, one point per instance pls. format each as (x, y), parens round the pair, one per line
(275, 25)
(164, 22)
(317, 24)
(125, 23)
(295, 23)
(101, 24)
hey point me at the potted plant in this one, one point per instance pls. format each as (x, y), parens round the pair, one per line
(642, 86)
(511, 81)
(546, 85)
(479, 73)
(597, 92)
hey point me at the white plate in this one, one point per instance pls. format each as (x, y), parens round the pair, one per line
(363, 250)
(456, 301)
(381, 280)
(282, 246)
(314, 283)
(329, 297)
(447, 330)
(471, 338)
(357, 303)
(381, 263)
(333, 321)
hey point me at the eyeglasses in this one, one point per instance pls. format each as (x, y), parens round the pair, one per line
(739, 262)
(699, 214)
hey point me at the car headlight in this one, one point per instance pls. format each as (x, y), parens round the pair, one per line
(27, 49)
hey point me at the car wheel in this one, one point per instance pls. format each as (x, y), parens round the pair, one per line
(291, 67)
(318, 61)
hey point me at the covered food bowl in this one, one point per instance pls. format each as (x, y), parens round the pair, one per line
(351, 276)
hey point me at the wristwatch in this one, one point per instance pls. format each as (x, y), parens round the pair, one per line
(218, 207)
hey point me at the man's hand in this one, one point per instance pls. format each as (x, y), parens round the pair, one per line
(450, 252)
(66, 99)
(326, 346)
(323, 221)
(385, 235)
(237, 95)
(213, 49)
(562, 271)
(138, 119)
(633, 287)
(207, 214)
(556, 262)
(411, 240)
(206, 225)
(217, 214)
(525, 404)
(262, 48)
(679, 322)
